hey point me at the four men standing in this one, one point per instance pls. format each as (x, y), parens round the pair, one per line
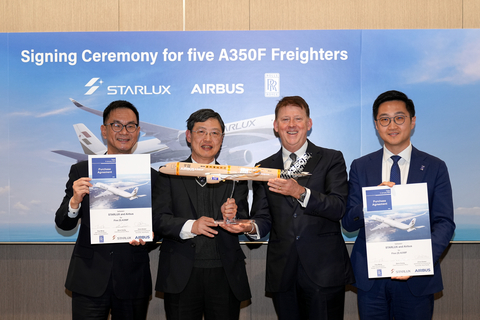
(202, 266)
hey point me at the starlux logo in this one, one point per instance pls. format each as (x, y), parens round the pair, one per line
(95, 83)
(93, 88)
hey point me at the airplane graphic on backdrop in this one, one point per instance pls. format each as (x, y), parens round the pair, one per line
(387, 222)
(169, 144)
(119, 191)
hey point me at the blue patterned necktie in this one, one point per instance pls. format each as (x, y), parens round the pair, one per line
(395, 171)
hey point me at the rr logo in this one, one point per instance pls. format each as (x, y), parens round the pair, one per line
(272, 85)
(92, 87)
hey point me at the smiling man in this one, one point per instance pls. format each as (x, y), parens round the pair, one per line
(307, 260)
(201, 269)
(402, 298)
(105, 278)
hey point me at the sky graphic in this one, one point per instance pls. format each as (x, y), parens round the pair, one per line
(438, 69)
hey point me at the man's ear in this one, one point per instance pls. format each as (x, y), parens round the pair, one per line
(103, 129)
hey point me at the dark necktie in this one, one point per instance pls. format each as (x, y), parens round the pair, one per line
(395, 171)
(293, 156)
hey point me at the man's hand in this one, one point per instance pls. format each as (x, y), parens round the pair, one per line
(80, 189)
(238, 227)
(287, 187)
(403, 278)
(229, 209)
(387, 183)
(134, 242)
(202, 226)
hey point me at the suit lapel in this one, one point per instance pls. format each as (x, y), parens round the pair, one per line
(374, 177)
(311, 163)
(418, 167)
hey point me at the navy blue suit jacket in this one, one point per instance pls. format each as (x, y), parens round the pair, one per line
(367, 172)
(311, 235)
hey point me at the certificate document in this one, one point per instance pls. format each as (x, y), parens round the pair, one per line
(120, 199)
(397, 230)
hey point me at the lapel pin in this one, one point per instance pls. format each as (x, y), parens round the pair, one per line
(422, 167)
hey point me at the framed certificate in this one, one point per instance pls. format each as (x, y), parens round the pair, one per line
(397, 230)
(120, 199)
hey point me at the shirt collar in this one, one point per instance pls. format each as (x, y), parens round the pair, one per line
(406, 154)
(300, 152)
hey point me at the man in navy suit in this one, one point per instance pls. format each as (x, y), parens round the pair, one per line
(307, 260)
(105, 278)
(201, 269)
(403, 297)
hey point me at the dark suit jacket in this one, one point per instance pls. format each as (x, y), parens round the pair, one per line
(367, 172)
(91, 265)
(311, 235)
(174, 202)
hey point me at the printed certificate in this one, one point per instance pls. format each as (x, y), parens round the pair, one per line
(120, 199)
(397, 231)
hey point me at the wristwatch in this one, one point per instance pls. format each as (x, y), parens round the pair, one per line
(303, 195)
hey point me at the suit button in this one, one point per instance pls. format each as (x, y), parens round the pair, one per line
(297, 237)
(111, 253)
(295, 215)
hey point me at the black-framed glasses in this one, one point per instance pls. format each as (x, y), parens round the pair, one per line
(214, 134)
(385, 121)
(117, 126)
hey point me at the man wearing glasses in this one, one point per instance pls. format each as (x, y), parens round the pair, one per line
(108, 277)
(201, 269)
(400, 297)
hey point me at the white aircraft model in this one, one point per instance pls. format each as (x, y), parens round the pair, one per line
(397, 223)
(169, 144)
(119, 191)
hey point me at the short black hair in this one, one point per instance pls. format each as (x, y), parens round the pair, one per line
(292, 100)
(393, 95)
(117, 105)
(203, 115)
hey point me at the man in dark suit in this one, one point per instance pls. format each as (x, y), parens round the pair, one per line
(401, 297)
(307, 260)
(201, 267)
(105, 278)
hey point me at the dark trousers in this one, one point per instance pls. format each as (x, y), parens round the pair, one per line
(206, 293)
(389, 299)
(306, 300)
(98, 308)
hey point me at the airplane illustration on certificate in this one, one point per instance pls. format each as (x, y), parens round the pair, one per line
(119, 191)
(387, 222)
(168, 144)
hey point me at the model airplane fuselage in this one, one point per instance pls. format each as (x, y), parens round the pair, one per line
(216, 173)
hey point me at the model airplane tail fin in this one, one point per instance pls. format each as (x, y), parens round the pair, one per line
(89, 142)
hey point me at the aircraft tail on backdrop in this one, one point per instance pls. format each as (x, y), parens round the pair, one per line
(91, 145)
(89, 142)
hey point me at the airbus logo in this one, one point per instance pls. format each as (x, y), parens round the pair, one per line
(93, 88)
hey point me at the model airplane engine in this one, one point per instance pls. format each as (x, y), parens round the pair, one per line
(212, 179)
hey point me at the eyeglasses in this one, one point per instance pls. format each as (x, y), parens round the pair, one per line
(117, 126)
(385, 121)
(214, 134)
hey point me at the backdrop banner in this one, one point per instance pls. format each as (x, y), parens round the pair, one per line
(54, 87)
